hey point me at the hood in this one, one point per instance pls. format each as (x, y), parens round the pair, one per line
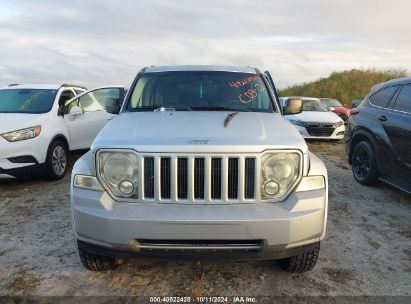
(16, 121)
(176, 131)
(316, 116)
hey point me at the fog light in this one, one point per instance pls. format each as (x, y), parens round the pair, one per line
(271, 187)
(126, 187)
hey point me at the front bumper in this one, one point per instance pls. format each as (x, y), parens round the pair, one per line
(30, 170)
(100, 220)
(280, 228)
(19, 158)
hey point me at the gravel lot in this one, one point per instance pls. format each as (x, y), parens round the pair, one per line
(367, 250)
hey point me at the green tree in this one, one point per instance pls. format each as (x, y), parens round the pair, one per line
(344, 86)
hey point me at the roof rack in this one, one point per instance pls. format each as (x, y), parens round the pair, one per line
(72, 85)
(13, 84)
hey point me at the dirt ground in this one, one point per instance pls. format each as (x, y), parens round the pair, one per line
(367, 250)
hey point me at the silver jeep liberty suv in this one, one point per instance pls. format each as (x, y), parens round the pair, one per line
(201, 163)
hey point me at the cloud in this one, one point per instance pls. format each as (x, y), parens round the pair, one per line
(106, 42)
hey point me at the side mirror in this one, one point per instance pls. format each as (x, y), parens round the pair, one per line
(354, 111)
(74, 112)
(294, 106)
(112, 105)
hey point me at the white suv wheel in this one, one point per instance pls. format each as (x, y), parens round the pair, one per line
(56, 162)
(59, 160)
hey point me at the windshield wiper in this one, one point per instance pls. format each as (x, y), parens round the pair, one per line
(219, 108)
(162, 109)
(183, 109)
(186, 108)
(146, 108)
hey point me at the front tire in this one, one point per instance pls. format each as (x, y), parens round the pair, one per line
(95, 262)
(56, 161)
(364, 167)
(302, 262)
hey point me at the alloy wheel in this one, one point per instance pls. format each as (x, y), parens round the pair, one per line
(362, 163)
(59, 160)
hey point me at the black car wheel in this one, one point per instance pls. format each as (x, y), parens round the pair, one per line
(363, 164)
(302, 262)
(95, 262)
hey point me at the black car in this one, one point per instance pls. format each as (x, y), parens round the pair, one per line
(378, 135)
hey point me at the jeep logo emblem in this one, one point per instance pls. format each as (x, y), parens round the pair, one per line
(199, 141)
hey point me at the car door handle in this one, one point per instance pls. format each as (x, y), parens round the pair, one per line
(382, 118)
(110, 118)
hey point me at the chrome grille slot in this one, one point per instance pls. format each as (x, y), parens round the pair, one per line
(216, 178)
(199, 178)
(182, 178)
(249, 178)
(149, 177)
(165, 182)
(233, 178)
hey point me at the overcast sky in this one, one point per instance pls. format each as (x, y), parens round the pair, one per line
(107, 42)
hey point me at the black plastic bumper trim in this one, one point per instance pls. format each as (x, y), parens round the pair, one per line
(24, 159)
(266, 253)
(36, 170)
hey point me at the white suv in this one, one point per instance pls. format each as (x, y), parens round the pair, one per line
(315, 121)
(39, 124)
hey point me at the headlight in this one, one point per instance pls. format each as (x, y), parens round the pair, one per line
(118, 173)
(280, 173)
(297, 122)
(22, 134)
(339, 124)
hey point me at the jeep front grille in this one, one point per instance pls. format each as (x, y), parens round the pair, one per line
(205, 178)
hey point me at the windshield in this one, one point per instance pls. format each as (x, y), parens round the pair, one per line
(332, 103)
(313, 105)
(202, 91)
(26, 100)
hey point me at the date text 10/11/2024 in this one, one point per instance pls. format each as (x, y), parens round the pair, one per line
(204, 299)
